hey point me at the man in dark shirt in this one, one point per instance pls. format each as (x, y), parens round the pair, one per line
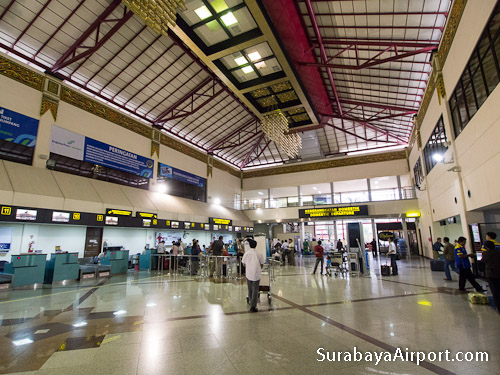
(216, 263)
(491, 258)
(449, 258)
(374, 247)
(318, 251)
(437, 247)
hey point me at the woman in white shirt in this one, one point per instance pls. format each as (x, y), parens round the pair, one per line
(392, 253)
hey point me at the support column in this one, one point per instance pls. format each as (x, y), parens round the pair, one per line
(405, 234)
(374, 231)
(419, 239)
(400, 193)
(335, 230)
(369, 189)
(333, 201)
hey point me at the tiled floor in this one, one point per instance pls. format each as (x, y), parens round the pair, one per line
(144, 323)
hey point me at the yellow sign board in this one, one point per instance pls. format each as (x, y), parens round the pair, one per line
(76, 216)
(112, 211)
(6, 211)
(413, 214)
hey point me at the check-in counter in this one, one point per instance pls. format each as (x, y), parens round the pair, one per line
(147, 262)
(27, 269)
(62, 266)
(117, 260)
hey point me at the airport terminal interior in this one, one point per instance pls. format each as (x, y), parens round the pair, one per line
(249, 186)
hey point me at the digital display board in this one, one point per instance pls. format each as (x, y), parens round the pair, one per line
(309, 213)
(111, 220)
(60, 217)
(214, 220)
(24, 214)
(174, 224)
(146, 222)
(146, 215)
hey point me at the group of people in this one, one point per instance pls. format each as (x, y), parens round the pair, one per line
(285, 252)
(456, 259)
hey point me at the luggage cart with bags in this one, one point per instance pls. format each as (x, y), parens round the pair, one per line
(266, 280)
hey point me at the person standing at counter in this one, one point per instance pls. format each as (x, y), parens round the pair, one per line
(161, 247)
(195, 260)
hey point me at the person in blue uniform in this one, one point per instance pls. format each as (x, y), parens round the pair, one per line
(463, 264)
(491, 236)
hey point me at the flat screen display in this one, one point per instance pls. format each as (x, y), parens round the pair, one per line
(60, 217)
(207, 226)
(111, 220)
(24, 214)
(187, 225)
(174, 225)
(146, 222)
(216, 227)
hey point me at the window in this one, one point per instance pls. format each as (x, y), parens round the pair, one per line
(479, 78)
(436, 146)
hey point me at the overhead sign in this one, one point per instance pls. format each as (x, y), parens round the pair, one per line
(308, 213)
(146, 215)
(167, 171)
(385, 236)
(18, 128)
(214, 220)
(77, 146)
(114, 211)
(413, 214)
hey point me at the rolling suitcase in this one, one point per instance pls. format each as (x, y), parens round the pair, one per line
(385, 270)
(437, 265)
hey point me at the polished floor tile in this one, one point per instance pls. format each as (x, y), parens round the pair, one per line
(143, 323)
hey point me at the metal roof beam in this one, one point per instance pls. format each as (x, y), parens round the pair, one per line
(70, 56)
(378, 105)
(324, 57)
(220, 142)
(252, 149)
(384, 13)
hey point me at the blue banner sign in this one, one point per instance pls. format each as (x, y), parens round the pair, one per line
(167, 171)
(113, 157)
(18, 128)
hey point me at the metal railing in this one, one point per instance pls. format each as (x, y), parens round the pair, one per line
(373, 195)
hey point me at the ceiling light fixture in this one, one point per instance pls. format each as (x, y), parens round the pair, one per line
(247, 69)
(229, 19)
(260, 65)
(275, 127)
(203, 12)
(254, 56)
(157, 14)
(241, 60)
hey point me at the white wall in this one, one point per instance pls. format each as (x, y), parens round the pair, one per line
(133, 239)
(354, 172)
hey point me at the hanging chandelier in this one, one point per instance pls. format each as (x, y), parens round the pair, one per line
(275, 127)
(157, 14)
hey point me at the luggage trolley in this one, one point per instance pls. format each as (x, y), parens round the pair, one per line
(266, 280)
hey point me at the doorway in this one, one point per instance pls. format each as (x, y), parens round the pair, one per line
(93, 241)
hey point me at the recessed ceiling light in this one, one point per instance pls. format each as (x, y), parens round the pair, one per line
(260, 65)
(315, 188)
(254, 56)
(241, 60)
(261, 193)
(203, 12)
(247, 69)
(219, 5)
(229, 19)
(151, 304)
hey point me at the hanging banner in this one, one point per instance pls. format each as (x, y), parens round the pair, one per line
(18, 128)
(77, 146)
(167, 171)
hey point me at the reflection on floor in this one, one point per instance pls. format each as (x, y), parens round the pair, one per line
(144, 323)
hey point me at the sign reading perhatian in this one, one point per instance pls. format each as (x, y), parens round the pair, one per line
(214, 220)
(307, 213)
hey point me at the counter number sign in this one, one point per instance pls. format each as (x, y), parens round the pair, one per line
(76, 216)
(6, 211)
(100, 217)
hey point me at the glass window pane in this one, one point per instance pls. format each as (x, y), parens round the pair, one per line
(469, 94)
(489, 67)
(462, 107)
(477, 79)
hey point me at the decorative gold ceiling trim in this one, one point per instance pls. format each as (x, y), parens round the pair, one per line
(447, 38)
(332, 163)
(19, 73)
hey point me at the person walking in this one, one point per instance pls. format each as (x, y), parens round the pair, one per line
(491, 258)
(253, 261)
(392, 253)
(291, 252)
(374, 247)
(449, 258)
(340, 246)
(463, 264)
(318, 252)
